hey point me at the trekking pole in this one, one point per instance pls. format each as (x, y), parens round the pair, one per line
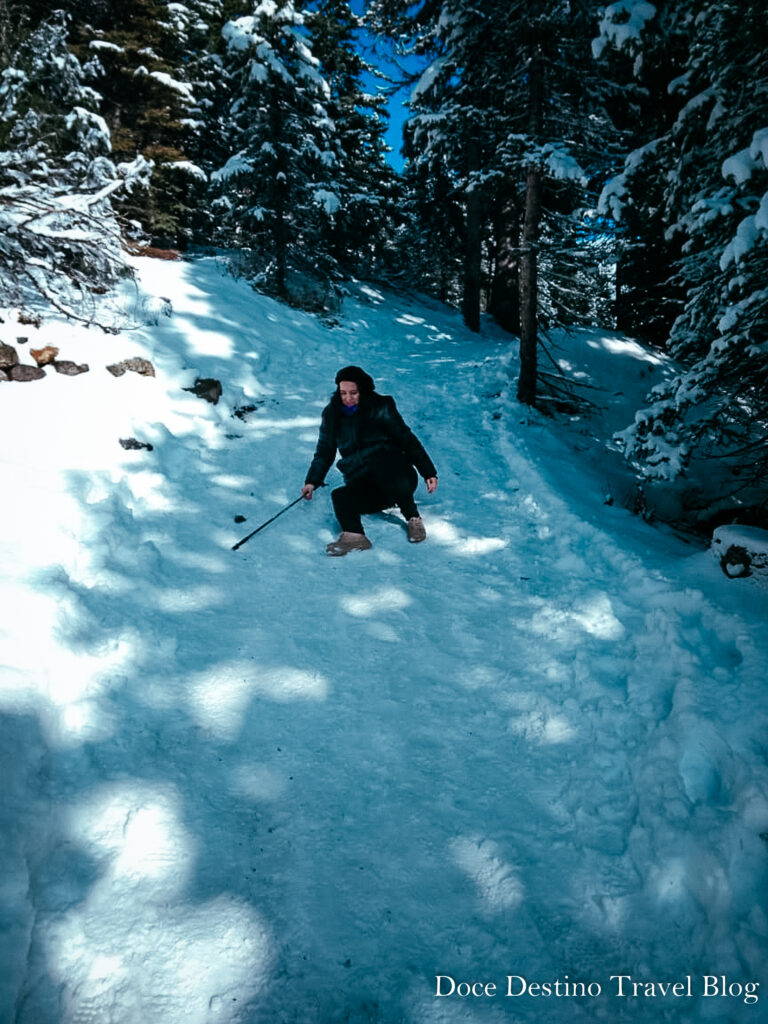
(274, 517)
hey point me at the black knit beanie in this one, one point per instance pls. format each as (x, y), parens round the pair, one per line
(363, 380)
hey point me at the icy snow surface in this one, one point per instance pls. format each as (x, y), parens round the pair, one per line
(268, 786)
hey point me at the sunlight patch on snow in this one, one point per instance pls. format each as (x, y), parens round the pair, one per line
(539, 720)
(568, 367)
(219, 697)
(177, 963)
(264, 427)
(189, 599)
(531, 506)
(133, 940)
(138, 830)
(197, 560)
(540, 727)
(299, 542)
(202, 342)
(497, 882)
(43, 675)
(386, 599)
(371, 293)
(232, 480)
(149, 490)
(670, 881)
(83, 722)
(257, 782)
(381, 631)
(446, 534)
(408, 318)
(594, 616)
(386, 557)
(624, 347)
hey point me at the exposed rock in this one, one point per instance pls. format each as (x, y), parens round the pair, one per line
(4, 375)
(240, 519)
(8, 356)
(244, 411)
(25, 373)
(208, 388)
(22, 341)
(70, 369)
(136, 364)
(44, 356)
(131, 444)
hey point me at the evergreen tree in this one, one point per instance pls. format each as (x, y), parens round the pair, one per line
(643, 49)
(60, 237)
(360, 232)
(14, 26)
(715, 209)
(277, 191)
(195, 28)
(142, 56)
(431, 237)
(509, 113)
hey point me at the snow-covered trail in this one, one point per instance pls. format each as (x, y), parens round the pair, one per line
(270, 786)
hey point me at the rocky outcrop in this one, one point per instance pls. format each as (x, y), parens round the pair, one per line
(208, 388)
(8, 356)
(44, 356)
(131, 444)
(136, 365)
(23, 373)
(11, 369)
(68, 368)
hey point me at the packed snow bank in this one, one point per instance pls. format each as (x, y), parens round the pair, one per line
(266, 785)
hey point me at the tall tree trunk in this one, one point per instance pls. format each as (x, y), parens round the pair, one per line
(281, 236)
(526, 384)
(470, 305)
(504, 303)
(279, 193)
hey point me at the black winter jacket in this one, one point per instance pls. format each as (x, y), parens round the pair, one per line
(376, 430)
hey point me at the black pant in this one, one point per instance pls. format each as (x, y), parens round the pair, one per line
(388, 482)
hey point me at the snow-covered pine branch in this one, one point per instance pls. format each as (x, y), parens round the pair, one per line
(60, 238)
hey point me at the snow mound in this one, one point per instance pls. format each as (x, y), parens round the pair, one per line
(742, 552)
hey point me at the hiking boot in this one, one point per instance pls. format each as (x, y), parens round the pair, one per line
(347, 542)
(417, 531)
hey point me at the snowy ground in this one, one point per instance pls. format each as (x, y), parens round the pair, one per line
(268, 786)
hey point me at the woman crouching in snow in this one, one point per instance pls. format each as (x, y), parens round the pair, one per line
(378, 455)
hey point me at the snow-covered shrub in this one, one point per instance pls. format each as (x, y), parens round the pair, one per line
(742, 552)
